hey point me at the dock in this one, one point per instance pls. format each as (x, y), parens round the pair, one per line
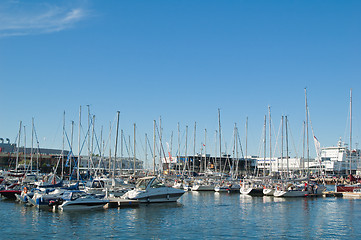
(115, 202)
(333, 194)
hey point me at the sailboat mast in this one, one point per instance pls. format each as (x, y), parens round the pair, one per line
(24, 148)
(18, 148)
(264, 146)
(194, 145)
(62, 150)
(282, 164)
(88, 140)
(116, 144)
(78, 162)
(121, 151)
(246, 145)
(270, 140)
(186, 160)
(154, 148)
(287, 155)
(134, 155)
(178, 158)
(71, 147)
(350, 131)
(205, 150)
(307, 138)
(32, 145)
(160, 133)
(92, 145)
(220, 140)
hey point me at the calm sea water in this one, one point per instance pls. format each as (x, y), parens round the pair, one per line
(197, 215)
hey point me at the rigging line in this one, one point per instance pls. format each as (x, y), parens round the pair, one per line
(126, 146)
(161, 145)
(150, 147)
(276, 147)
(109, 135)
(240, 144)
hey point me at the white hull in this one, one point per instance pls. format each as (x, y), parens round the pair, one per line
(268, 191)
(290, 193)
(82, 207)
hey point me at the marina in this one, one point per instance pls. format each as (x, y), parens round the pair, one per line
(206, 215)
(180, 119)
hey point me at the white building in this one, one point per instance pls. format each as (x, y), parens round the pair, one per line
(338, 159)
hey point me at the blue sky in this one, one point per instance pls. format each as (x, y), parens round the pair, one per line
(181, 60)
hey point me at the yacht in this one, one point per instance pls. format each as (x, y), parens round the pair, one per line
(80, 200)
(150, 189)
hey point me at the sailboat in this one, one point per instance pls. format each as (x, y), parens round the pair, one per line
(352, 187)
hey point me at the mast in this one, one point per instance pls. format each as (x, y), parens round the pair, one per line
(194, 146)
(282, 163)
(154, 148)
(134, 156)
(160, 144)
(205, 150)
(186, 160)
(270, 140)
(264, 146)
(307, 138)
(71, 147)
(62, 150)
(178, 158)
(110, 148)
(92, 145)
(246, 161)
(350, 131)
(32, 145)
(78, 162)
(220, 140)
(121, 150)
(88, 106)
(287, 155)
(116, 144)
(24, 148)
(17, 149)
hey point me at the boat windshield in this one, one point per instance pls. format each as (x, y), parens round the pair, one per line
(157, 184)
(142, 184)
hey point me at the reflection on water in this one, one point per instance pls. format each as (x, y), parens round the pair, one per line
(197, 215)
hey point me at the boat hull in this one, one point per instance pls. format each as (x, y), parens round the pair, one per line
(252, 191)
(268, 191)
(290, 193)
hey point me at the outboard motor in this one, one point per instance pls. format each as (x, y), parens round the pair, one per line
(56, 202)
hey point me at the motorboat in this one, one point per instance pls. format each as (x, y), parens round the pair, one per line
(151, 190)
(10, 191)
(79, 200)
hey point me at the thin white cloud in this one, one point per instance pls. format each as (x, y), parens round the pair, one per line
(18, 19)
